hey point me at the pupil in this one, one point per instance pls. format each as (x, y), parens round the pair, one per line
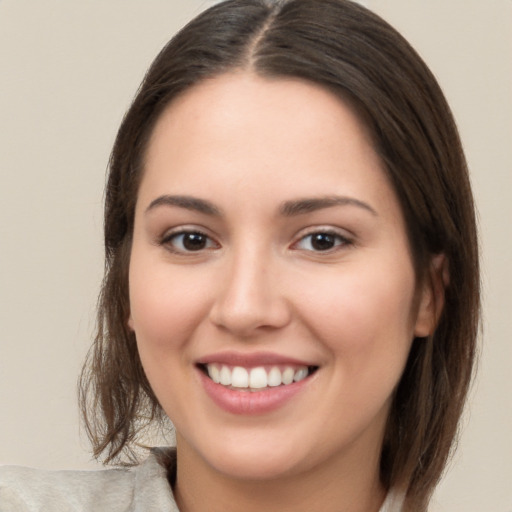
(322, 241)
(194, 241)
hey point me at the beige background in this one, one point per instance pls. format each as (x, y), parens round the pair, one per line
(68, 71)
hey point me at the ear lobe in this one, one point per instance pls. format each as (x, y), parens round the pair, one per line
(431, 302)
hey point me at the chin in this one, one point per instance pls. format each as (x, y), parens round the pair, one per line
(251, 456)
(257, 465)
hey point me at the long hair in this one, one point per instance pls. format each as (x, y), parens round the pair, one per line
(347, 49)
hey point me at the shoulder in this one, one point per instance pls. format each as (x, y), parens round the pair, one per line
(27, 489)
(393, 502)
(144, 487)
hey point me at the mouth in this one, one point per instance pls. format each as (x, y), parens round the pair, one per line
(256, 378)
(254, 383)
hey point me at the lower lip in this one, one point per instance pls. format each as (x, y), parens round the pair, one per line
(251, 402)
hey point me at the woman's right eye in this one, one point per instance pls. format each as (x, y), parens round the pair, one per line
(188, 241)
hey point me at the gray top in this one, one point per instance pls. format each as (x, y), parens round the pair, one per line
(143, 488)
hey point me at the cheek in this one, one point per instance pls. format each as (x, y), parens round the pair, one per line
(360, 310)
(165, 306)
(166, 309)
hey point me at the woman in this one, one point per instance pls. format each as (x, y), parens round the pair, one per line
(291, 278)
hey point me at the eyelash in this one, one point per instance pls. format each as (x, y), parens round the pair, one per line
(168, 239)
(337, 239)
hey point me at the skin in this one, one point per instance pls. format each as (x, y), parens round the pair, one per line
(247, 144)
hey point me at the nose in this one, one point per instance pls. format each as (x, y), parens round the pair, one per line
(250, 297)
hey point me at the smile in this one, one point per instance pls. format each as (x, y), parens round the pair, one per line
(256, 378)
(257, 383)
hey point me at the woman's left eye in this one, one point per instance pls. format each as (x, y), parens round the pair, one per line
(188, 241)
(321, 241)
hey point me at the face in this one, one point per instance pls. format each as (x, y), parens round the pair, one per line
(272, 290)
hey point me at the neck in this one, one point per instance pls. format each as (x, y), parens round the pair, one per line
(353, 486)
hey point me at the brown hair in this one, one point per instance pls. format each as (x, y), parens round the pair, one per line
(355, 54)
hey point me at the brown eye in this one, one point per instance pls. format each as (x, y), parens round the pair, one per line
(189, 241)
(322, 241)
(194, 241)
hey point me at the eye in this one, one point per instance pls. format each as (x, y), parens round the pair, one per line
(321, 241)
(188, 241)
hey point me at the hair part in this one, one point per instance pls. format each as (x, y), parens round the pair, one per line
(347, 49)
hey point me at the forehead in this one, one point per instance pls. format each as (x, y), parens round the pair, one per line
(234, 100)
(245, 111)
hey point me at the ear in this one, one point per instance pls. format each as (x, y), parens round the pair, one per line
(431, 301)
(130, 322)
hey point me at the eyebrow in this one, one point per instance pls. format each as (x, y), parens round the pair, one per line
(307, 205)
(287, 209)
(187, 202)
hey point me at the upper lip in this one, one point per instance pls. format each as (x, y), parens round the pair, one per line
(250, 360)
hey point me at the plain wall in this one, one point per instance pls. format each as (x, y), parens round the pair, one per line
(68, 71)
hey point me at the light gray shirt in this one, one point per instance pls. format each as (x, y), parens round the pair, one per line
(143, 488)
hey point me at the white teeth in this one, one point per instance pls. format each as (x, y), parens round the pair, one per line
(287, 377)
(214, 373)
(300, 375)
(239, 377)
(225, 376)
(259, 377)
(274, 377)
